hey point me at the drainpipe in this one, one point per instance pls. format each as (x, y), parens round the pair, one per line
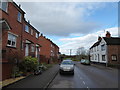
(106, 56)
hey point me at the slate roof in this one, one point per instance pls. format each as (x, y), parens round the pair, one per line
(112, 40)
(109, 41)
(95, 44)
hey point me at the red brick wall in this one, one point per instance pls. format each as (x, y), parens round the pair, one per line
(16, 28)
(114, 50)
(45, 50)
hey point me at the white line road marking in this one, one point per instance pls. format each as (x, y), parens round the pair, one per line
(83, 82)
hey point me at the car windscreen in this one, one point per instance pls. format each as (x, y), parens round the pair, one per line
(67, 62)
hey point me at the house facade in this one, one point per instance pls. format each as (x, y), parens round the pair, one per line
(49, 50)
(19, 39)
(106, 50)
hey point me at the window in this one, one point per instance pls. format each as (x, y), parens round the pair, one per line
(31, 31)
(103, 47)
(103, 57)
(37, 35)
(32, 48)
(114, 57)
(19, 16)
(26, 28)
(4, 6)
(11, 40)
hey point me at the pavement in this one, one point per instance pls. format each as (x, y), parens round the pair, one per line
(37, 81)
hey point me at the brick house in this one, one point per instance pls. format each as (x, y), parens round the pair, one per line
(49, 50)
(106, 50)
(19, 39)
(11, 35)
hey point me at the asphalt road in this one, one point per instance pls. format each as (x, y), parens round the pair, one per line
(87, 77)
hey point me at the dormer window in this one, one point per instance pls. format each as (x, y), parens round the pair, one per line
(4, 6)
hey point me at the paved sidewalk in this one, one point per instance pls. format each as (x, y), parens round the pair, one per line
(37, 81)
(9, 81)
(102, 66)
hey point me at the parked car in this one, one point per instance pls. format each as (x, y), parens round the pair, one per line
(67, 66)
(85, 61)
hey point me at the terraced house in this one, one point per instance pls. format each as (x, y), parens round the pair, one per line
(106, 50)
(19, 38)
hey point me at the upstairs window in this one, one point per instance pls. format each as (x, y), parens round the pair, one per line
(11, 40)
(4, 6)
(103, 47)
(26, 28)
(31, 31)
(37, 35)
(19, 17)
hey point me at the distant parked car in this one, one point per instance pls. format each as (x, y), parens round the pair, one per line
(85, 61)
(67, 66)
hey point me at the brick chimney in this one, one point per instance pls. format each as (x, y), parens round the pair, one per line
(108, 35)
(99, 38)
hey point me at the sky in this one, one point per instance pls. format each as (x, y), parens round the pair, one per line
(73, 24)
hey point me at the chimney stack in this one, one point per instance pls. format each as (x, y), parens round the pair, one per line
(99, 38)
(19, 5)
(108, 35)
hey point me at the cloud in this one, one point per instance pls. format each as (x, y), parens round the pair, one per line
(61, 19)
(84, 41)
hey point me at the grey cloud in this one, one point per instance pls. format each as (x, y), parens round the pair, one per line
(60, 19)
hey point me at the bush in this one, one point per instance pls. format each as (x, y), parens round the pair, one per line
(28, 64)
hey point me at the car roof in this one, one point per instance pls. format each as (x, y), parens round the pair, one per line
(67, 60)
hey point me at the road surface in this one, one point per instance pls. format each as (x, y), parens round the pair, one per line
(87, 77)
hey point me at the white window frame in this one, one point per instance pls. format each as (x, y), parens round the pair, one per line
(37, 35)
(1, 6)
(27, 28)
(114, 57)
(31, 31)
(19, 18)
(32, 48)
(12, 38)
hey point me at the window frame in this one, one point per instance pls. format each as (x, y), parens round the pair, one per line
(103, 47)
(27, 28)
(19, 18)
(37, 35)
(114, 58)
(13, 39)
(1, 7)
(31, 31)
(104, 58)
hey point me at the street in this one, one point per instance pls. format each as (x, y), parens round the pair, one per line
(87, 77)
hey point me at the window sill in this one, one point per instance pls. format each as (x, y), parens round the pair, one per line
(11, 47)
(19, 22)
(4, 11)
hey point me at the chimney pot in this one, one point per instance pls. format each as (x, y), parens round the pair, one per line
(108, 35)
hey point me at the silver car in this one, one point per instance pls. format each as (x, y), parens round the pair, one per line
(67, 66)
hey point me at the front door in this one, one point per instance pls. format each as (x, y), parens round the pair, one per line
(27, 50)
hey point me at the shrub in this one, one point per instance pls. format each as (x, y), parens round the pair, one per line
(28, 64)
